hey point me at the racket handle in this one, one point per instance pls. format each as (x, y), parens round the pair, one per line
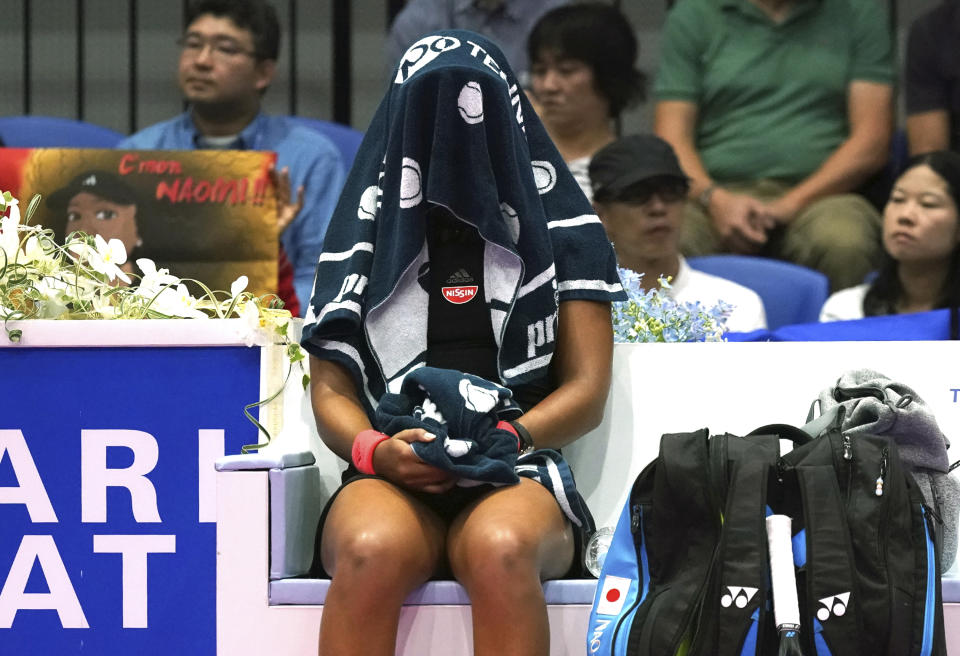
(786, 607)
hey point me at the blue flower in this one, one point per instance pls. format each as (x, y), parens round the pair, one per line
(654, 316)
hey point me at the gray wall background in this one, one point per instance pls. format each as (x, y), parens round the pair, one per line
(106, 90)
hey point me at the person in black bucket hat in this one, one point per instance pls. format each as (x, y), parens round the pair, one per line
(100, 203)
(638, 192)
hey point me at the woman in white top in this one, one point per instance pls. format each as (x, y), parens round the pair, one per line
(921, 240)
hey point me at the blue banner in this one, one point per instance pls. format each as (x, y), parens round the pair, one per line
(107, 497)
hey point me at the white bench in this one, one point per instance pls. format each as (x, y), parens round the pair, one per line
(267, 514)
(268, 506)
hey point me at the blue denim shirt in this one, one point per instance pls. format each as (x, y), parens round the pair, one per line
(313, 160)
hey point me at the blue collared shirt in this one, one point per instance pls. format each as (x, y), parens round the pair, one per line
(313, 160)
(507, 26)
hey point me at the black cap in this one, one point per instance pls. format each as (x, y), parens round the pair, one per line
(630, 160)
(101, 184)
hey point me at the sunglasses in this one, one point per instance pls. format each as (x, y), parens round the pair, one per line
(643, 192)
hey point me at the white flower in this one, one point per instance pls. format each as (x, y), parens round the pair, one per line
(32, 250)
(178, 302)
(253, 327)
(10, 236)
(12, 204)
(238, 285)
(80, 249)
(52, 303)
(101, 304)
(108, 257)
(153, 279)
(39, 251)
(9, 225)
(73, 286)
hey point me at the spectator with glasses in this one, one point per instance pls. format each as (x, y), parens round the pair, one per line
(639, 192)
(228, 58)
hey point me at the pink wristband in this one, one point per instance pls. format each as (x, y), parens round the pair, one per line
(507, 426)
(364, 445)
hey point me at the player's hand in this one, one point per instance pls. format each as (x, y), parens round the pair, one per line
(395, 460)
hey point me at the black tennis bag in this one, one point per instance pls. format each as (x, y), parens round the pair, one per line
(687, 572)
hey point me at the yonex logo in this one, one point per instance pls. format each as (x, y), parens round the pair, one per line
(835, 605)
(737, 596)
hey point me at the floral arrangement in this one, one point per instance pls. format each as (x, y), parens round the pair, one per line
(653, 316)
(81, 279)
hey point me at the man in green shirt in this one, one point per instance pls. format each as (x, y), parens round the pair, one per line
(778, 110)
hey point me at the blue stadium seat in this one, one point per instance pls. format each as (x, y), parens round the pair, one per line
(791, 293)
(345, 138)
(55, 132)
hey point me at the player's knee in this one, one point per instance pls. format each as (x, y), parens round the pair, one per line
(494, 556)
(380, 556)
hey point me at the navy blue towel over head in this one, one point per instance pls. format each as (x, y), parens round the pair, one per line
(454, 130)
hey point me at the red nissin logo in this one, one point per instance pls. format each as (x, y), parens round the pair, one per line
(459, 295)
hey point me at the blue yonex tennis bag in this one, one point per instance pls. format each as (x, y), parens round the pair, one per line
(687, 571)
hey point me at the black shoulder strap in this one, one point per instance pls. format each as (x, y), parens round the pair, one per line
(832, 593)
(740, 599)
(682, 528)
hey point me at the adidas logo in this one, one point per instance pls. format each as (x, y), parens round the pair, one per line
(738, 596)
(834, 605)
(459, 277)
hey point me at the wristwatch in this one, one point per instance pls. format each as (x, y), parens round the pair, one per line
(705, 195)
(523, 434)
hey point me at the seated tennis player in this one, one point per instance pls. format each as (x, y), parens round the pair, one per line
(466, 278)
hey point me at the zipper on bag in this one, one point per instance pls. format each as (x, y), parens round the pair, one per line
(883, 472)
(886, 506)
(929, 615)
(639, 541)
(848, 466)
